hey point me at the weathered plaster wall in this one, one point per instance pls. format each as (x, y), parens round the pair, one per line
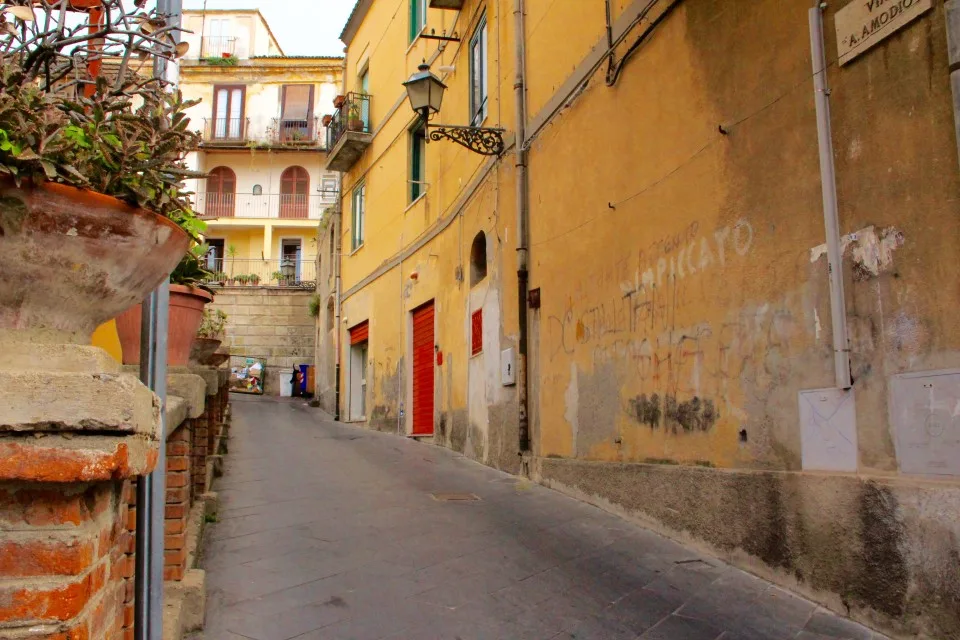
(685, 297)
(274, 324)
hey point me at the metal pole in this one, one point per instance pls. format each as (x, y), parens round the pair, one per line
(522, 212)
(828, 181)
(151, 489)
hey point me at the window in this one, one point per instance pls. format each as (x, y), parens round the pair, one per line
(476, 332)
(221, 192)
(359, 215)
(228, 112)
(478, 259)
(478, 74)
(214, 257)
(296, 114)
(418, 18)
(418, 161)
(294, 192)
(328, 188)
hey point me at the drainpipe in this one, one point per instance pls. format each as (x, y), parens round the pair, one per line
(828, 181)
(951, 10)
(337, 217)
(522, 213)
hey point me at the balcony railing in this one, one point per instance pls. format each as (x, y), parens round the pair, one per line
(216, 46)
(352, 116)
(225, 131)
(278, 272)
(292, 132)
(276, 206)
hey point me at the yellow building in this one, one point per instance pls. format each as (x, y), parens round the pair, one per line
(263, 145)
(682, 357)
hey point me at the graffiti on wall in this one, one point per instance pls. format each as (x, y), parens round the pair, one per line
(683, 376)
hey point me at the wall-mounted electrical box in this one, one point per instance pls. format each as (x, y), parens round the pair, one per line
(508, 368)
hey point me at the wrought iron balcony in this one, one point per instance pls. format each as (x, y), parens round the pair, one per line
(278, 272)
(226, 131)
(265, 206)
(349, 132)
(292, 132)
(217, 46)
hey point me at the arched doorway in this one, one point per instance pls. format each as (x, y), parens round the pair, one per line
(294, 192)
(221, 193)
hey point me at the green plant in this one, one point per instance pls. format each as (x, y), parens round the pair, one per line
(213, 324)
(125, 136)
(191, 272)
(278, 276)
(219, 61)
(232, 254)
(315, 305)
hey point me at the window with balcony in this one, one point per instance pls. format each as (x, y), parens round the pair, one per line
(219, 40)
(418, 161)
(228, 113)
(418, 18)
(296, 113)
(221, 193)
(294, 193)
(359, 205)
(478, 74)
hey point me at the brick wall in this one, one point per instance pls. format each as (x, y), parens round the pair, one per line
(274, 324)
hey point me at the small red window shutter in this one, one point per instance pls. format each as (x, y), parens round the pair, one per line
(360, 333)
(476, 332)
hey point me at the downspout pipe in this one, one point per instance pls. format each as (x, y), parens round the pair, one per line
(828, 181)
(951, 10)
(520, 155)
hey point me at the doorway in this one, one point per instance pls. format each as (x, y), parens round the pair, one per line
(423, 370)
(359, 352)
(290, 251)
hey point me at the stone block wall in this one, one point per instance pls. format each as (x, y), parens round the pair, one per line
(274, 324)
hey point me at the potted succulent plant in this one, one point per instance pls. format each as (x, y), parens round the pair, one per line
(338, 101)
(189, 294)
(209, 336)
(93, 211)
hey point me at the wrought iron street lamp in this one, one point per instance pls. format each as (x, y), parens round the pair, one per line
(425, 92)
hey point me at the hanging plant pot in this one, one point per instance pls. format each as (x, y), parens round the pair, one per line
(186, 314)
(339, 101)
(71, 259)
(327, 119)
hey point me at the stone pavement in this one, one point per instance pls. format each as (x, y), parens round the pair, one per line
(327, 531)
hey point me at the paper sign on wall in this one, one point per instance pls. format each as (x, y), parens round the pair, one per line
(864, 23)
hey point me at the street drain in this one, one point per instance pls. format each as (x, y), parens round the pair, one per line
(455, 497)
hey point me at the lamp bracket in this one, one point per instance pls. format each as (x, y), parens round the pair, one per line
(482, 140)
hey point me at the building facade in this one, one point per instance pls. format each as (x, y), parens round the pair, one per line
(635, 296)
(266, 190)
(263, 145)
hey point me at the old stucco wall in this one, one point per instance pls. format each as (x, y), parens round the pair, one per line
(686, 304)
(270, 323)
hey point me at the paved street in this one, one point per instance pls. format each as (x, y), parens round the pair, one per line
(331, 532)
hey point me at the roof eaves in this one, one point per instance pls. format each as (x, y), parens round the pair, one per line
(353, 21)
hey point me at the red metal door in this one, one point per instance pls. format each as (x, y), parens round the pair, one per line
(423, 370)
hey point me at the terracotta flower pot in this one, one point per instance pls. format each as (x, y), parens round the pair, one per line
(71, 260)
(186, 315)
(203, 349)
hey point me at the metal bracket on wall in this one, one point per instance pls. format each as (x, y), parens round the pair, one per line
(485, 141)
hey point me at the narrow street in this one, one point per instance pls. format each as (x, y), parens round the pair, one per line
(326, 531)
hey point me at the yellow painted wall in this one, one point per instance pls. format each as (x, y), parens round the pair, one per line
(456, 214)
(106, 338)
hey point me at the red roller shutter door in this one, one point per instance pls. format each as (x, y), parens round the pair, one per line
(360, 333)
(423, 342)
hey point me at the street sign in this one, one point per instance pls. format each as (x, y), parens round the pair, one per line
(864, 23)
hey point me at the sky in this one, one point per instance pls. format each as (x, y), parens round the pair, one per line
(303, 27)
